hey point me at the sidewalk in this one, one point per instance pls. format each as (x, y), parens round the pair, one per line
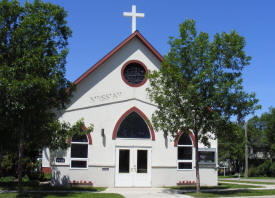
(146, 192)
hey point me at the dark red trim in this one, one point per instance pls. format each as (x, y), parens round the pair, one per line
(135, 34)
(141, 114)
(88, 135)
(178, 137)
(46, 170)
(122, 73)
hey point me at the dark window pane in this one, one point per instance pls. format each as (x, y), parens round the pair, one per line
(124, 157)
(133, 126)
(185, 140)
(142, 161)
(134, 73)
(184, 153)
(185, 165)
(79, 150)
(78, 164)
(207, 157)
(79, 138)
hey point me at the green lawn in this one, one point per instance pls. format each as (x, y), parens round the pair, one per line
(220, 186)
(61, 195)
(237, 193)
(234, 176)
(26, 187)
(248, 182)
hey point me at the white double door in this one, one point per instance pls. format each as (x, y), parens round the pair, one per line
(133, 167)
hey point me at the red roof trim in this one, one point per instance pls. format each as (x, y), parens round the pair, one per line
(135, 34)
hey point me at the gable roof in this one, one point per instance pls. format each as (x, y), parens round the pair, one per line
(136, 34)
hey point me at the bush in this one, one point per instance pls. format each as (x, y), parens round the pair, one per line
(272, 170)
(7, 179)
(25, 178)
(264, 168)
(253, 172)
(46, 177)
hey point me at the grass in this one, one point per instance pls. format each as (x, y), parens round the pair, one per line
(220, 186)
(26, 187)
(248, 182)
(61, 195)
(234, 176)
(235, 193)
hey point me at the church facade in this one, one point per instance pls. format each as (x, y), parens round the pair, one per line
(124, 150)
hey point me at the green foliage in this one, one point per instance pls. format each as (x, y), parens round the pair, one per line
(33, 86)
(264, 168)
(231, 147)
(261, 134)
(199, 85)
(46, 177)
(33, 53)
(272, 169)
(25, 178)
(7, 179)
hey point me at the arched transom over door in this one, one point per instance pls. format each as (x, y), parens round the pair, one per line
(133, 124)
(133, 163)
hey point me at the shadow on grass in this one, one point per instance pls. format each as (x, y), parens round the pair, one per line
(33, 186)
(60, 195)
(44, 194)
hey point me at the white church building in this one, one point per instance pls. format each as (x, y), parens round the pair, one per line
(125, 150)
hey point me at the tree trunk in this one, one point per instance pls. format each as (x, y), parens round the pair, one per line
(20, 156)
(197, 163)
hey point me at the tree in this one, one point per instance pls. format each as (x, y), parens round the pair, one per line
(33, 51)
(199, 85)
(262, 133)
(231, 147)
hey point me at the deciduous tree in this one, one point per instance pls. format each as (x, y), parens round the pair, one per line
(33, 50)
(199, 85)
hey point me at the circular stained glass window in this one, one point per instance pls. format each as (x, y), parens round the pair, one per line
(134, 74)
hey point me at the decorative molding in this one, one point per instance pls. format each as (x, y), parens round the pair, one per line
(141, 114)
(178, 137)
(110, 103)
(123, 77)
(88, 135)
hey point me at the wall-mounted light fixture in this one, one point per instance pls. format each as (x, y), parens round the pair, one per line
(165, 135)
(103, 137)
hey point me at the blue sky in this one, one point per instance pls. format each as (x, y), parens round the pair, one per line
(98, 26)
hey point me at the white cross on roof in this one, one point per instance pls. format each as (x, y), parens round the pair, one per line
(134, 15)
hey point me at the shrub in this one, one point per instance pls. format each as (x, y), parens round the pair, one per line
(253, 172)
(25, 178)
(264, 168)
(7, 179)
(272, 169)
(46, 177)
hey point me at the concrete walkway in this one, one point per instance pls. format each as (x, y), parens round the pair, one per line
(146, 192)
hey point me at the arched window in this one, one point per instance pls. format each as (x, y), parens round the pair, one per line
(79, 151)
(133, 126)
(185, 152)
